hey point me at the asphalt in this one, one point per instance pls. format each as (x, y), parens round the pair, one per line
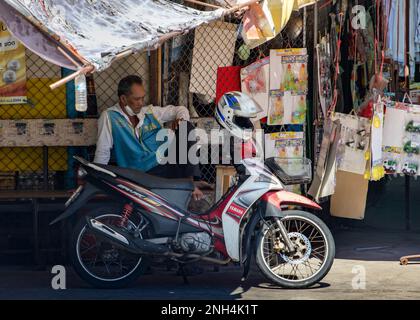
(366, 267)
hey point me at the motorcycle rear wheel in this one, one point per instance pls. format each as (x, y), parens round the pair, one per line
(99, 262)
(311, 262)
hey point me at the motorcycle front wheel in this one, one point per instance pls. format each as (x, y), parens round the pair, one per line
(308, 264)
(99, 262)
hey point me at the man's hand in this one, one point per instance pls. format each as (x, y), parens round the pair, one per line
(175, 124)
(197, 194)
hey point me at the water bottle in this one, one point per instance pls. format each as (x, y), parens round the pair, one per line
(81, 93)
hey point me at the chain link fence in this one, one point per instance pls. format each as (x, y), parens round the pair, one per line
(23, 168)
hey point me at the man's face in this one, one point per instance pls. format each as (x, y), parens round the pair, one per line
(135, 100)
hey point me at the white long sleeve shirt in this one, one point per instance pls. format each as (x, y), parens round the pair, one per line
(105, 141)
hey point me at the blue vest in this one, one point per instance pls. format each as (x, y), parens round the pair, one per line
(130, 151)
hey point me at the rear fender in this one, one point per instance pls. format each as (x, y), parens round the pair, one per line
(88, 192)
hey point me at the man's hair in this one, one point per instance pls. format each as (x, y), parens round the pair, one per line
(124, 86)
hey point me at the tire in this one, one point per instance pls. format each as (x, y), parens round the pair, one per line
(305, 282)
(80, 233)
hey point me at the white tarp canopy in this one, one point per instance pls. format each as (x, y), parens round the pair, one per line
(95, 31)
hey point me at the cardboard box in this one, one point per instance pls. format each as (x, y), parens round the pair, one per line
(225, 178)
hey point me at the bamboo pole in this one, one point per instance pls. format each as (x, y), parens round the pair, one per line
(77, 65)
(204, 4)
(84, 70)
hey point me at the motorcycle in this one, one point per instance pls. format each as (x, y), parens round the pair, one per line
(111, 245)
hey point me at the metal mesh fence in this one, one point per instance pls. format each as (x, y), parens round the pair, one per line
(24, 168)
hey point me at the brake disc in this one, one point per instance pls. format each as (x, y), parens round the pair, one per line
(303, 249)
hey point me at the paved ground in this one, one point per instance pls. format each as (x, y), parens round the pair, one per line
(372, 254)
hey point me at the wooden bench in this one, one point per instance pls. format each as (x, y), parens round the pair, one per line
(34, 198)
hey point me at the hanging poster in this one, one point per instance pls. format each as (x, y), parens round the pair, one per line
(286, 144)
(288, 86)
(12, 69)
(255, 83)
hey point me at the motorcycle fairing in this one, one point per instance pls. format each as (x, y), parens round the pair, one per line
(258, 183)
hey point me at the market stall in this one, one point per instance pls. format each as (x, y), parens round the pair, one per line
(49, 127)
(331, 78)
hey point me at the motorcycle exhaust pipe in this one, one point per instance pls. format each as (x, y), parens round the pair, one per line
(124, 240)
(121, 239)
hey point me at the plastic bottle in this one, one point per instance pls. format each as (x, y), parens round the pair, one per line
(81, 93)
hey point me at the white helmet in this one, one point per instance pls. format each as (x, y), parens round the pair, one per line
(233, 112)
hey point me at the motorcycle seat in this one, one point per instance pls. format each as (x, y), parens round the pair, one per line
(149, 181)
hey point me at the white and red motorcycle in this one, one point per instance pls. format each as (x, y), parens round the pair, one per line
(110, 245)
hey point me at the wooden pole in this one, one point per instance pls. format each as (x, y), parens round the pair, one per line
(407, 91)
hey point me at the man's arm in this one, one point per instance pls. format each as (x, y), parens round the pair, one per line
(171, 113)
(105, 142)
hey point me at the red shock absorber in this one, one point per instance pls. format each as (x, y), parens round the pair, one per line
(126, 213)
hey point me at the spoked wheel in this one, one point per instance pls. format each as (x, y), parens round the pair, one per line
(311, 259)
(98, 261)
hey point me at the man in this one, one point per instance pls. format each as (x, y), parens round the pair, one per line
(129, 129)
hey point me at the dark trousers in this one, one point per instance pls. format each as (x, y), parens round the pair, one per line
(178, 171)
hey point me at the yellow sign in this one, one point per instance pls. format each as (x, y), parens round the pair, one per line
(12, 69)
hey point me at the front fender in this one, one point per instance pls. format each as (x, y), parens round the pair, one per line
(276, 199)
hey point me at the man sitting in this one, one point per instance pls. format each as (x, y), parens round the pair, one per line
(129, 129)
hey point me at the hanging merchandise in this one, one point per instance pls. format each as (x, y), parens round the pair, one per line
(392, 142)
(258, 25)
(12, 69)
(281, 10)
(354, 142)
(255, 83)
(81, 103)
(228, 79)
(401, 142)
(377, 170)
(287, 144)
(396, 33)
(337, 101)
(324, 58)
(294, 27)
(207, 55)
(288, 86)
(323, 184)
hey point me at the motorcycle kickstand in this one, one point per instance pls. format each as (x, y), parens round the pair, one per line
(183, 274)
